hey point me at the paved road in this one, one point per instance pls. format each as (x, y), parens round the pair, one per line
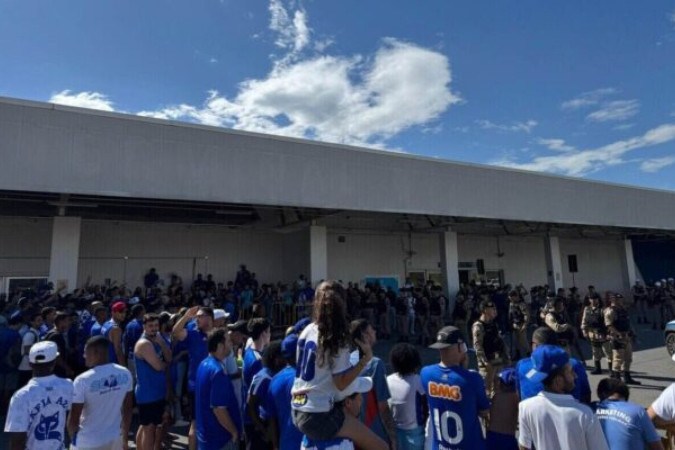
(651, 366)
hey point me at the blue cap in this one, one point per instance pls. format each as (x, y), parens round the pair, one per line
(301, 324)
(545, 360)
(289, 346)
(508, 376)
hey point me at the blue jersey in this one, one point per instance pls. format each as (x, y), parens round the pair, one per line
(96, 329)
(214, 389)
(198, 350)
(259, 387)
(278, 406)
(626, 425)
(527, 388)
(105, 331)
(252, 365)
(85, 328)
(132, 333)
(44, 329)
(150, 383)
(455, 396)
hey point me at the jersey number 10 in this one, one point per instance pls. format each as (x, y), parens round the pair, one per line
(306, 361)
(441, 425)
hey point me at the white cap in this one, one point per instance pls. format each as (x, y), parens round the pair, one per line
(220, 314)
(673, 357)
(360, 385)
(43, 352)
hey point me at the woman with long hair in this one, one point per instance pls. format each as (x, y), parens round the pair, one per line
(323, 369)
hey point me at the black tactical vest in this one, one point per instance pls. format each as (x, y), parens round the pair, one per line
(596, 320)
(622, 321)
(492, 342)
(561, 319)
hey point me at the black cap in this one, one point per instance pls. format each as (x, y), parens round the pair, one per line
(240, 326)
(448, 336)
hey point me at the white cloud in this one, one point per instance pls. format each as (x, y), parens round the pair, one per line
(586, 99)
(580, 163)
(345, 99)
(558, 145)
(292, 35)
(656, 164)
(671, 17)
(615, 111)
(336, 99)
(91, 100)
(526, 127)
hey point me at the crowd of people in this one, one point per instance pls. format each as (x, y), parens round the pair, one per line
(83, 369)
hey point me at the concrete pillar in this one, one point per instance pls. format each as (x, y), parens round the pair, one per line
(318, 254)
(629, 262)
(449, 263)
(65, 252)
(553, 263)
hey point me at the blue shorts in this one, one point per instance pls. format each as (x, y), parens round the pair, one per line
(500, 441)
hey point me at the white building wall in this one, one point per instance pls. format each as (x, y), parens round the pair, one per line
(378, 254)
(176, 248)
(25, 246)
(523, 259)
(600, 263)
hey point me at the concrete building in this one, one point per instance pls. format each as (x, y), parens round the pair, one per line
(91, 195)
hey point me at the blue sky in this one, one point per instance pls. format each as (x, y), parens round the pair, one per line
(575, 88)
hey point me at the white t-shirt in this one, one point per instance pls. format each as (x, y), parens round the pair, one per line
(664, 406)
(29, 338)
(405, 401)
(101, 390)
(39, 409)
(558, 422)
(314, 390)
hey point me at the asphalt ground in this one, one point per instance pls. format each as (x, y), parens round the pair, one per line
(651, 365)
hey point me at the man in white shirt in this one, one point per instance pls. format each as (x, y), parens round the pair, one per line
(554, 420)
(36, 418)
(662, 411)
(102, 402)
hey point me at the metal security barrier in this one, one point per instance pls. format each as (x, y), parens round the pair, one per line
(282, 314)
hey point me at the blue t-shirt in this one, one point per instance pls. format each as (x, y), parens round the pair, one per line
(259, 387)
(278, 406)
(85, 328)
(95, 329)
(9, 338)
(455, 396)
(252, 365)
(214, 389)
(132, 333)
(528, 388)
(198, 349)
(626, 425)
(44, 329)
(106, 328)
